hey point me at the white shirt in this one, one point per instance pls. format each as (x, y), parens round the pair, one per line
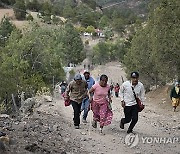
(127, 95)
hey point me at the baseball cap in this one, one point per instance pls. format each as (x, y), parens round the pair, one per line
(78, 77)
(134, 75)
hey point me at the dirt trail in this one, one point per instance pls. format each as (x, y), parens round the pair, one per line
(156, 122)
(50, 129)
(153, 122)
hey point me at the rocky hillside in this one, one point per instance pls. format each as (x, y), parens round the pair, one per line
(137, 6)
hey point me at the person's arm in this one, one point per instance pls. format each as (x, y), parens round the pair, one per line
(68, 90)
(89, 93)
(109, 96)
(121, 95)
(86, 90)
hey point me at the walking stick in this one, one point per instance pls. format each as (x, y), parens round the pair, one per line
(90, 123)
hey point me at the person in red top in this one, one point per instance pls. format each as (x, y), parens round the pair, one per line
(116, 89)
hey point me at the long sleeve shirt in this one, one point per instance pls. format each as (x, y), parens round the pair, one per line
(127, 95)
(175, 92)
(77, 92)
(90, 82)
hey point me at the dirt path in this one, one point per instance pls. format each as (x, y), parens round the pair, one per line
(50, 130)
(153, 123)
(157, 131)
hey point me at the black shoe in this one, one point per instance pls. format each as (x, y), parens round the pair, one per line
(121, 125)
(76, 127)
(129, 131)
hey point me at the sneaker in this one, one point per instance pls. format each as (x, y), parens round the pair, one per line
(94, 124)
(84, 121)
(174, 109)
(76, 127)
(100, 131)
(121, 125)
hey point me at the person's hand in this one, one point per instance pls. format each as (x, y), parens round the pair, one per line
(123, 104)
(90, 99)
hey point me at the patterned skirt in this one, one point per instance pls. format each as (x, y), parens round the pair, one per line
(102, 113)
(175, 101)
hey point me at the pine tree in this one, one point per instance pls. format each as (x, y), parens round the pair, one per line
(20, 9)
(6, 27)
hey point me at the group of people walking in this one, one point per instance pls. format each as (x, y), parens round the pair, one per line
(116, 89)
(84, 94)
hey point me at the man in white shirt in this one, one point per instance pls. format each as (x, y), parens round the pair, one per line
(129, 102)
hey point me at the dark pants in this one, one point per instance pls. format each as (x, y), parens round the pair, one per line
(131, 114)
(117, 94)
(77, 112)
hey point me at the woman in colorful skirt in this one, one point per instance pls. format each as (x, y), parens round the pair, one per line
(175, 95)
(101, 103)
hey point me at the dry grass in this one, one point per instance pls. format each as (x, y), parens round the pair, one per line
(10, 13)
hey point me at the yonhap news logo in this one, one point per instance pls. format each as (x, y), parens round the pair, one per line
(133, 140)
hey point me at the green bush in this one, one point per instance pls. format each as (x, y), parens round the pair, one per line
(29, 17)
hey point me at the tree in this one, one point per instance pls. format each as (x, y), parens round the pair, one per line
(90, 29)
(58, 7)
(33, 5)
(81, 29)
(108, 32)
(72, 44)
(68, 12)
(104, 22)
(6, 2)
(87, 16)
(139, 58)
(20, 9)
(166, 39)
(30, 62)
(154, 49)
(90, 3)
(107, 51)
(101, 53)
(57, 20)
(46, 8)
(6, 27)
(118, 24)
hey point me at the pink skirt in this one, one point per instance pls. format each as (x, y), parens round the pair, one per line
(102, 113)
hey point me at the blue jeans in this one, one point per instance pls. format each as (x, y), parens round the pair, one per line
(85, 107)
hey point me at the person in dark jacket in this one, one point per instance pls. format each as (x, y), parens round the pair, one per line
(175, 95)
